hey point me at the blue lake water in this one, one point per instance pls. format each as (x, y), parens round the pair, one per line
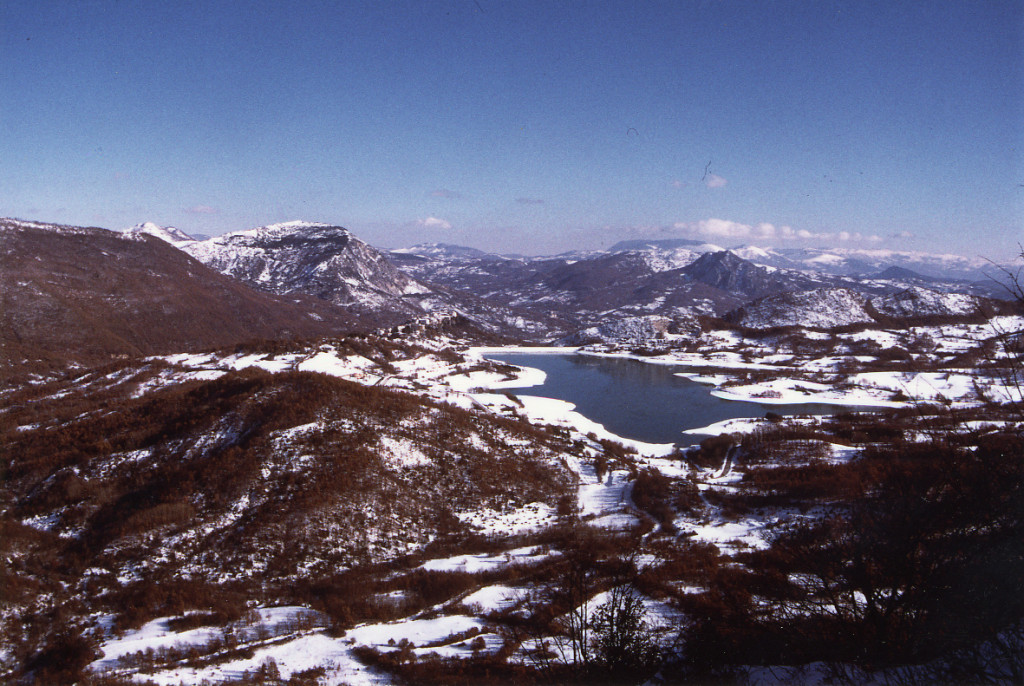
(638, 400)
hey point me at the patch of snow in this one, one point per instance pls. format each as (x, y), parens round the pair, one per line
(531, 517)
(484, 562)
(401, 452)
(726, 426)
(303, 653)
(416, 631)
(493, 598)
(730, 537)
(353, 367)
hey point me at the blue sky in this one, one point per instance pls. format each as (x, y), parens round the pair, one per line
(523, 126)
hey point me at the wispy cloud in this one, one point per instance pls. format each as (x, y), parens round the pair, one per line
(202, 209)
(676, 183)
(434, 223)
(903, 235)
(724, 228)
(445, 193)
(858, 237)
(530, 201)
(715, 181)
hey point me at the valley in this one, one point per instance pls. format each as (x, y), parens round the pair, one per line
(531, 343)
(323, 463)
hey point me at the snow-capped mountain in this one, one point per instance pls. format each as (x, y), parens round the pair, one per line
(175, 237)
(851, 262)
(323, 260)
(657, 244)
(440, 251)
(10, 225)
(667, 259)
(329, 263)
(666, 255)
(663, 279)
(905, 275)
(863, 262)
(729, 272)
(549, 298)
(682, 277)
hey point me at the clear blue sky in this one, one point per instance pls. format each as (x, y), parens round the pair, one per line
(526, 126)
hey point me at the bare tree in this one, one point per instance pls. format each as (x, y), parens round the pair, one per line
(1006, 356)
(622, 641)
(573, 590)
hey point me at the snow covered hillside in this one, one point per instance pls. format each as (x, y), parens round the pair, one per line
(319, 259)
(175, 237)
(359, 509)
(826, 308)
(207, 483)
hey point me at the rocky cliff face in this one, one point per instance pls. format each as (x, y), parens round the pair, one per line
(322, 260)
(329, 263)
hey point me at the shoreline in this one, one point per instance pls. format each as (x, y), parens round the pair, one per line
(873, 390)
(542, 409)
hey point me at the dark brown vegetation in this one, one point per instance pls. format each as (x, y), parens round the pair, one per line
(911, 563)
(191, 489)
(86, 295)
(917, 561)
(664, 499)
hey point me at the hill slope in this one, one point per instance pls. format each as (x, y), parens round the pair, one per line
(85, 294)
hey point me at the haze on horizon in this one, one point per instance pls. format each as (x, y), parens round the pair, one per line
(532, 127)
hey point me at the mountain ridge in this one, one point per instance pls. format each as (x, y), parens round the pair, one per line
(85, 294)
(323, 260)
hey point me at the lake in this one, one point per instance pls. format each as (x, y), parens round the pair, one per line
(638, 400)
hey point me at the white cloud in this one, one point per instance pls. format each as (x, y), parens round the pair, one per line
(718, 228)
(639, 231)
(858, 237)
(723, 228)
(676, 183)
(434, 223)
(715, 181)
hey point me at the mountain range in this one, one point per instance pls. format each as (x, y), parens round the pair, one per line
(89, 293)
(274, 455)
